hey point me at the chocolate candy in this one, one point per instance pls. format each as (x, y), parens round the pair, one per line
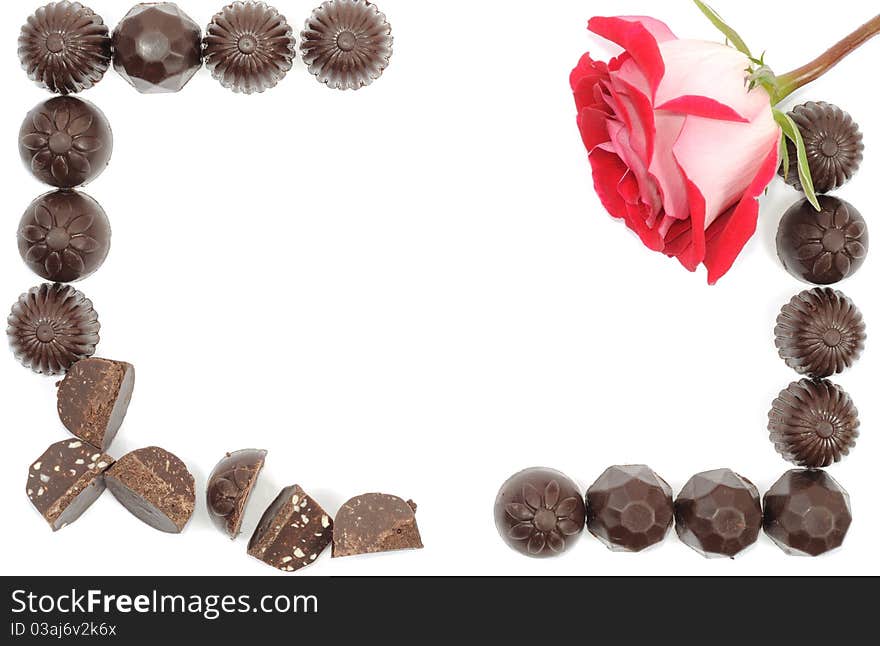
(64, 47)
(229, 488)
(51, 327)
(833, 142)
(157, 48)
(64, 236)
(65, 142)
(155, 486)
(375, 522)
(807, 513)
(718, 513)
(629, 508)
(293, 531)
(820, 332)
(539, 512)
(249, 47)
(823, 247)
(93, 398)
(813, 423)
(346, 44)
(64, 481)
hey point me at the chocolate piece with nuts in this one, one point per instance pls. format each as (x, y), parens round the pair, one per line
(293, 531)
(93, 398)
(229, 488)
(64, 481)
(375, 522)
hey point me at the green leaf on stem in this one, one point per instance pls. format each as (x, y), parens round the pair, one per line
(728, 31)
(783, 155)
(791, 130)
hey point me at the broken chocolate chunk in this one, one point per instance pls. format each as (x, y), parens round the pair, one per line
(229, 488)
(93, 398)
(64, 481)
(155, 486)
(375, 522)
(293, 531)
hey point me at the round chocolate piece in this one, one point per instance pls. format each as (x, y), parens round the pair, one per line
(807, 513)
(65, 142)
(833, 142)
(718, 513)
(813, 423)
(346, 44)
(51, 327)
(249, 47)
(64, 47)
(822, 247)
(629, 508)
(64, 236)
(539, 512)
(820, 332)
(157, 48)
(229, 488)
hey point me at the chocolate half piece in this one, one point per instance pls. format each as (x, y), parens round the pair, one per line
(229, 488)
(539, 512)
(155, 486)
(93, 398)
(375, 522)
(293, 531)
(64, 481)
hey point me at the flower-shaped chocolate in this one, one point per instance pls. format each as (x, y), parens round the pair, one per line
(65, 142)
(813, 423)
(249, 47)
(820, 332)
(65, 47)
(64, 236)
(51, 327)
(347, 43)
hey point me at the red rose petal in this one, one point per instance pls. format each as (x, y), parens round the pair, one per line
(702, 106)
(638, 41)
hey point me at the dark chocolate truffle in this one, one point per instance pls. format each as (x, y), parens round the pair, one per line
(346, 44)
(155, 486)
(64, 47)
(157, 48)
(813, 423)
(64, 481)
(718, 513)
(629, 508)
(65, 142)
(249, 47)
(51, 327)
(93, 398)
(293, 531)
(64, 236)
(833, 143)
(539, 512)
(823, 247)
(820, 332)
(807, 513)
(375, 522)
(229, 488)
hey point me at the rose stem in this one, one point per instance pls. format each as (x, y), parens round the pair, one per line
(798, 78)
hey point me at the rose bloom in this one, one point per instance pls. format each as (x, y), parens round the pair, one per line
(680, 147)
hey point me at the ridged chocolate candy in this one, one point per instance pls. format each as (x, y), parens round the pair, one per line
(820, 332)
(807, 513)
(813, 423)
(229, 487)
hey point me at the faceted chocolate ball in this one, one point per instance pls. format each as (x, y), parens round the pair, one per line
(718, 513)
(64, 47)
(65, 142)
(51, 327)
(229, 487)
(629, 508)
(823, 247)
(820, 332)
(539, 512)
(807, 513)
(813, 423)
(64, 236)
(157, 48)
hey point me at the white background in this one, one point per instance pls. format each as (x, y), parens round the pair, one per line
(413, 289)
